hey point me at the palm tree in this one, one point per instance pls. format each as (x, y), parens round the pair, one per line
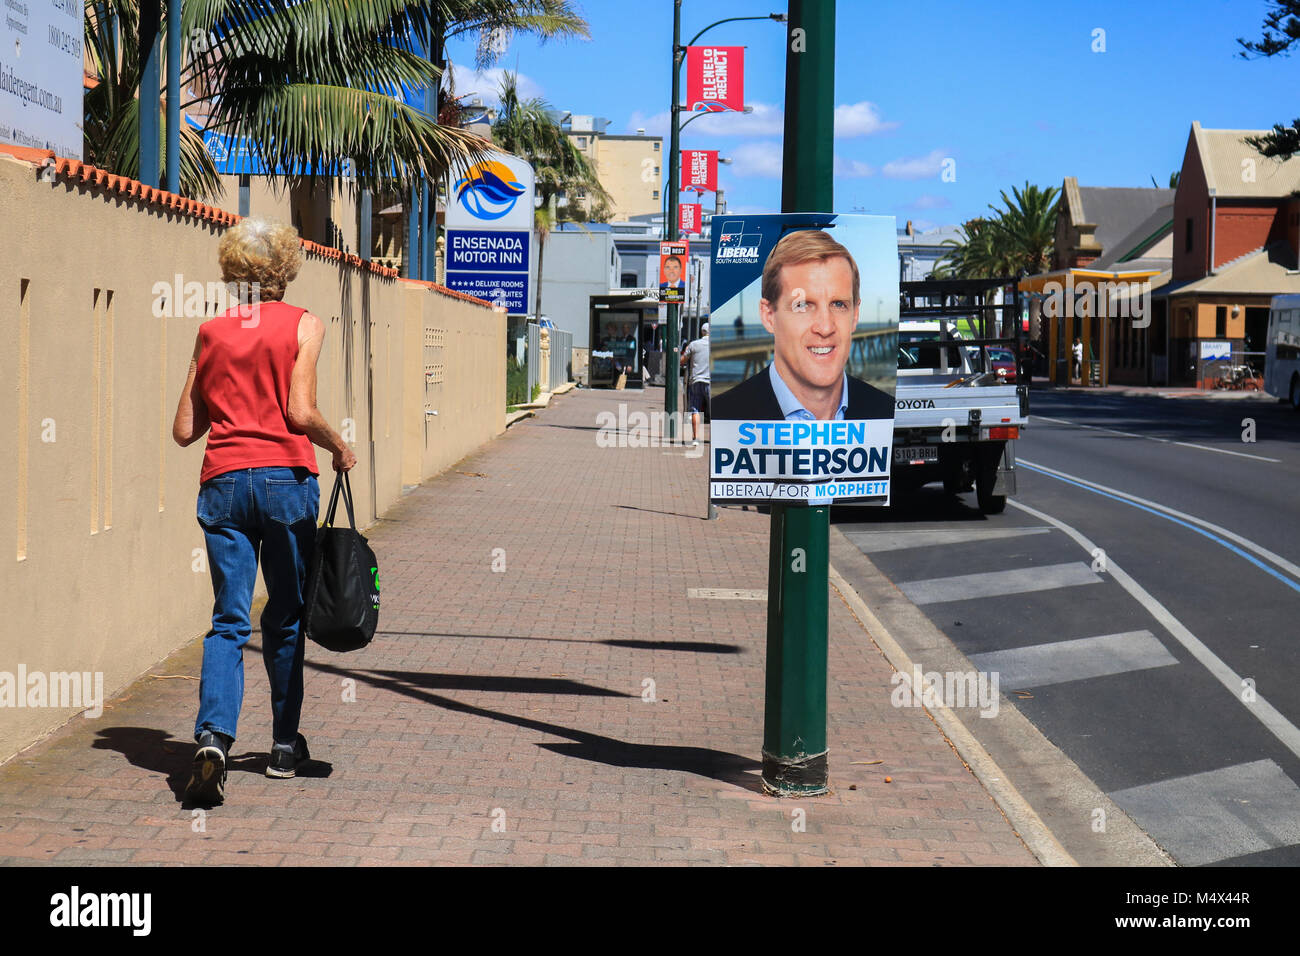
(315, 87)
(1027, 228)
(528, 129)
(1017, 240)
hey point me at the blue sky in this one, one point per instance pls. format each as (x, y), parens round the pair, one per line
(1011, 91)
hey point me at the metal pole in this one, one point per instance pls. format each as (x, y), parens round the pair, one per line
(411, 261)
(432, 106)
(174, 96)
(673, 346)
(150, 89)
(794, 730)
(366, 240)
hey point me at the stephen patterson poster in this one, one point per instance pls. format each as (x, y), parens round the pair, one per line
(803, 355)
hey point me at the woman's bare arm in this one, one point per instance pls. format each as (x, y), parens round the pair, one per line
(191, 421)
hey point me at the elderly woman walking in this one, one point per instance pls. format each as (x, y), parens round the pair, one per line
(252, 381)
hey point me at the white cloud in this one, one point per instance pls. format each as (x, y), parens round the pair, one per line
(486, 85)
(852, 168)
(655, 124)
(859, 119)
(930, 201)
(751, 210)
(766, 120)
(915, 167)
(755, 159)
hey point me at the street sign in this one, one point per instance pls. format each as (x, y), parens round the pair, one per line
(490, 229)
(496, 193)
(715, 78)
(490, 264)
(487, 250)
(507, 291)
(41, 76)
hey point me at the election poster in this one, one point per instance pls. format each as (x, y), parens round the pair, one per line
(803, 358)
(673, 256)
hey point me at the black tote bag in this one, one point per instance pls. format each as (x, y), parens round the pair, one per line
(341, 606)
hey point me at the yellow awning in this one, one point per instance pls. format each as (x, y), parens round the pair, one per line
(1036, 283)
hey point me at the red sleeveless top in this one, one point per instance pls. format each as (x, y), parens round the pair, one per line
(245, 364)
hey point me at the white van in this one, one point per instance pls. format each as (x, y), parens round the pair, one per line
(1282, 349)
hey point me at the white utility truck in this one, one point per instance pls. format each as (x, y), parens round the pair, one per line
(958, 413)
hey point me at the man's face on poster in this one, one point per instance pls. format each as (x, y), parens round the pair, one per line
(813, 323)
(672, 270)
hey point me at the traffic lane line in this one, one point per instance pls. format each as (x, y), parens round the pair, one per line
(1234, 542)
(1208, 817)
(1060, 662)
(1268, 715)
(1166, 441)
(991, 584)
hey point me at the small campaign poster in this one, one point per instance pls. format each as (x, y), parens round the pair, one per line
(673, 256)
(804, 358)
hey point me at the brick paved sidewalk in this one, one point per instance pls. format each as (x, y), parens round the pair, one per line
(499, 715)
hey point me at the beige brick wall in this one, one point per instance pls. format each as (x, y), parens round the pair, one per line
(98, 538)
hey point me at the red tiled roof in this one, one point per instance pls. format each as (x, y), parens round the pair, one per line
(72, 169)
(453, 293)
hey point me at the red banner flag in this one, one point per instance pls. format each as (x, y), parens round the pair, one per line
(700, 170)
(715, 78)
(688, 217)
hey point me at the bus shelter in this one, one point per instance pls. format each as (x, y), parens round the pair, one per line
(1085, 304)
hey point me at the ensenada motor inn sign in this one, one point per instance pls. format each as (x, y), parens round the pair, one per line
(41, 75)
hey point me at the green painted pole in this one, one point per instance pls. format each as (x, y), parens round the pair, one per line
(672, 347)
(794, 728)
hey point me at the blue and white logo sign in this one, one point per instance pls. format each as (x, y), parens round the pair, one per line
(495, 192)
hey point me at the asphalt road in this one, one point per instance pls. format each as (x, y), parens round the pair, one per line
(1140, 600)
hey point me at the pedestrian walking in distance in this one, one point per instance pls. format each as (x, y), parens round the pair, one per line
(251, 389)
(695, 358)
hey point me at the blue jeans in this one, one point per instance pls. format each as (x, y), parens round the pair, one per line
(271, 511)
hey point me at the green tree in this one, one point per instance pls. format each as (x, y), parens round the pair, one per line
(1016, 240)
(314, 86)
(528, 128)
(1281, 31)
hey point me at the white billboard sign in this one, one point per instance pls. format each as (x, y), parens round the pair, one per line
(41, 75)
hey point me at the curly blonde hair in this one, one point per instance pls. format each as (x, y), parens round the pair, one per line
(256, 251)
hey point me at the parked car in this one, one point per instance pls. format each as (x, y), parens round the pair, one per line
(1003, 362)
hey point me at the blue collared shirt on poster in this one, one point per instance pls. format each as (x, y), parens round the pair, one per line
(795, 412)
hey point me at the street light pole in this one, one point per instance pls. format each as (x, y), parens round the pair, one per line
(794, 726)
(673, 345)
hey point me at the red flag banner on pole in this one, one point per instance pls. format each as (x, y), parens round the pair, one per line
(715, 78)
(700, 170)
(688, 217)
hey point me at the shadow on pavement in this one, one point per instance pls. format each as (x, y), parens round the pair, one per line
(500, 685)
(697, 647)
(158, 752)
(714, 764)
